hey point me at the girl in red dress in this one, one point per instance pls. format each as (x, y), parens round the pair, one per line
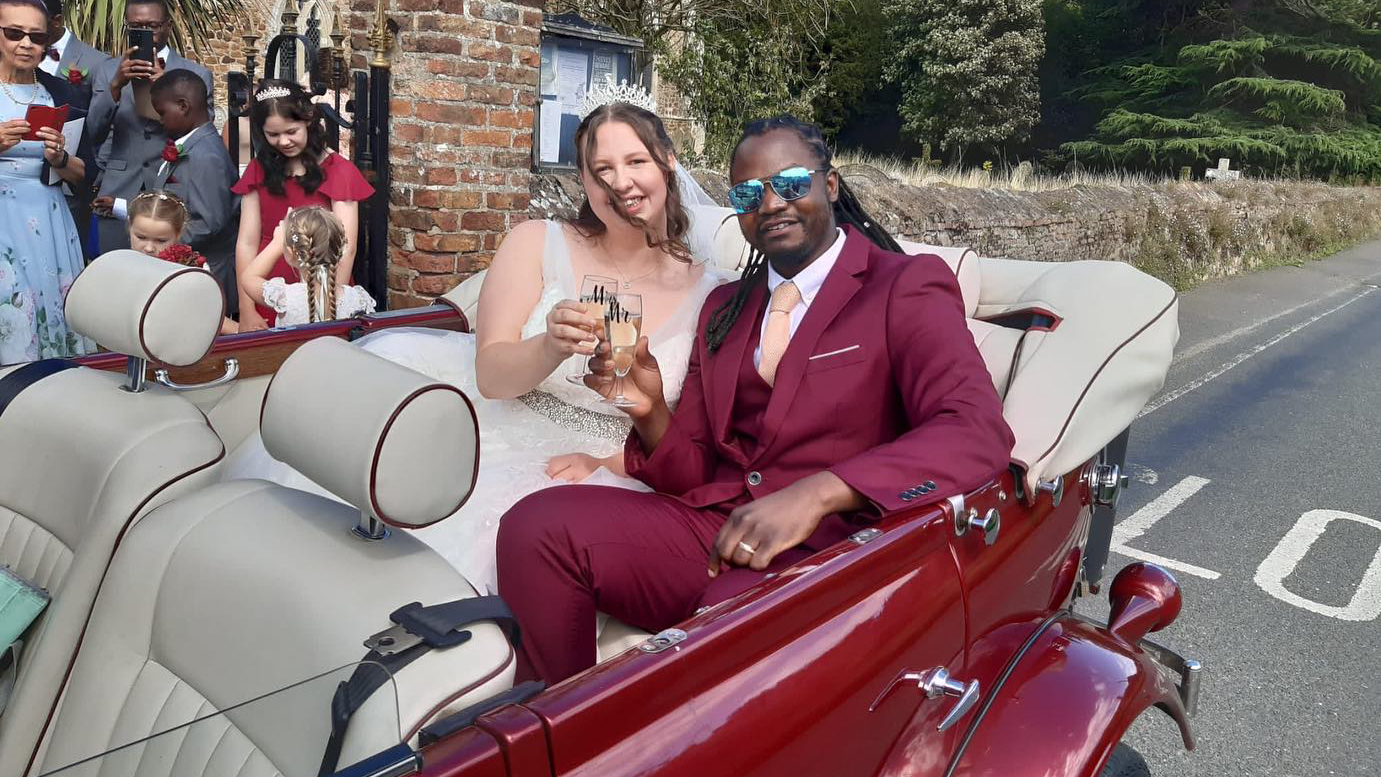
(291, 169)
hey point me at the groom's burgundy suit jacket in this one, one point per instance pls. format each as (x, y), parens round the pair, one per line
(881, 384)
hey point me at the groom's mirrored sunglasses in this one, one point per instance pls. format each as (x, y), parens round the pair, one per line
(15, 34)
(792, 183)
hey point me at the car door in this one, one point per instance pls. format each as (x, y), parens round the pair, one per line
(791, 678)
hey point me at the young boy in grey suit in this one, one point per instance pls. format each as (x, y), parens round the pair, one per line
(136, 142)
(197, 167)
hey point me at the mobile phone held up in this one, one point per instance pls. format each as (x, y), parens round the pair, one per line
(142, 41)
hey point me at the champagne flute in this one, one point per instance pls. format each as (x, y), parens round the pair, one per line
(595, 290)
(623, 324)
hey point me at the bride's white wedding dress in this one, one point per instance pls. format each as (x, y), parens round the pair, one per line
(517, 436)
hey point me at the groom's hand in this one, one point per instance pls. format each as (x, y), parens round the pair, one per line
(780, 520)
(642, 385)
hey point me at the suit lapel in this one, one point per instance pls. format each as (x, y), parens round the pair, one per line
(840, 286)
(727, 362)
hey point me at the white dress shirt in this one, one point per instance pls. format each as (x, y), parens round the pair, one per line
(50, 65)
(808, 281)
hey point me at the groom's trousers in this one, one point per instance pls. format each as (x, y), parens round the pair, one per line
(566, 553)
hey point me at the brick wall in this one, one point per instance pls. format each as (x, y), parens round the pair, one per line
(465, 74)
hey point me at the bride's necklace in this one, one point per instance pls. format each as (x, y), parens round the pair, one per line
(628, 282)
(33, 95)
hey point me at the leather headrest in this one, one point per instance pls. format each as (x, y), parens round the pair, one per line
(390, 441)
(131, 303)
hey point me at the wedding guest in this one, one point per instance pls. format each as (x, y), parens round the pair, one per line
(39, 251)
(197, 168)
(136, 142)
(824, 386)
(69, 57)
(158, 221)
(292, 167)
(312, 241)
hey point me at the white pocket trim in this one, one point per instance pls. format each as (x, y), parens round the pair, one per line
(834, 353)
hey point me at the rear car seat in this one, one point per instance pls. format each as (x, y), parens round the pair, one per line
(81, 459)
(247, 587)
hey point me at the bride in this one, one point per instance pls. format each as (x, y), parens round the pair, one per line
(539, 425)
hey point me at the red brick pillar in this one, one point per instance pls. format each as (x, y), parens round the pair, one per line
(465, 75)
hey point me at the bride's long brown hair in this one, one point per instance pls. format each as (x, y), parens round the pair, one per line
(653, 134)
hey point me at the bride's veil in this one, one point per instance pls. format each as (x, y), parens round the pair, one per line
(706, 216)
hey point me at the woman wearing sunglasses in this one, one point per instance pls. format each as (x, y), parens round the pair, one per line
(40, 249)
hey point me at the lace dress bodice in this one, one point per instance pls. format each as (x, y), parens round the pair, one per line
(289, 300)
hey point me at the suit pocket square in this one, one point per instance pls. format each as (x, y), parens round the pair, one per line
(837, 352)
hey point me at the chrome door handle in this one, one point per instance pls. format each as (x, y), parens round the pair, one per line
(937, 683)
(1055, 486)
(232, 371)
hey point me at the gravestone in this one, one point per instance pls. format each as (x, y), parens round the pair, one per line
(1222, 172)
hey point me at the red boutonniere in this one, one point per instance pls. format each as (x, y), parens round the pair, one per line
(75, 76)
(172, 152)
(182, 254)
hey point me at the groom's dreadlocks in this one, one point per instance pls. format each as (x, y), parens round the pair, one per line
(847, 210)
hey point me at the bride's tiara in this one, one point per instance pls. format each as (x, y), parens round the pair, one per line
(607, 94)
(271, 93)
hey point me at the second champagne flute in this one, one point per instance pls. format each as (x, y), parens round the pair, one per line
(623, 324)
(595, 290)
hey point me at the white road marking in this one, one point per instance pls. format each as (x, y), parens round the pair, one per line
(1197, 383)
(1365, 604)
(1168, 563)
(1228, 337)
(1142, 520)
(1138, 522)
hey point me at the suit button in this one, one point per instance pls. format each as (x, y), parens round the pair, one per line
(754, 478)
(929, 485)
(146, 164)
(906, 496)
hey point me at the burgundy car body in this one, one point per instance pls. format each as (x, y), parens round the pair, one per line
(803, 674)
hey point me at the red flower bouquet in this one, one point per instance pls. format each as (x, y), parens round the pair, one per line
(182, 254)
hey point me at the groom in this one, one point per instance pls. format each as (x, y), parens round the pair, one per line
(835, 383)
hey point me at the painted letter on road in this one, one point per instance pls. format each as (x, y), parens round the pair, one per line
(1366, 602)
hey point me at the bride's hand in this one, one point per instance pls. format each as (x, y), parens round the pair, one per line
(572, 467)
(570, 330)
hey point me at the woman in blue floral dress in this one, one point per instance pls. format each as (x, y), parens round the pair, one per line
(40, 251)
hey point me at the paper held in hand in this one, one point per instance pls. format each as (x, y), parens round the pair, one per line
(72, 133)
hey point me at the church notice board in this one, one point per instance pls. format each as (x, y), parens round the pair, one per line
(570, 66)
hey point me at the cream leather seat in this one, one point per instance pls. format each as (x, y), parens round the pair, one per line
(247, 587)
(81, 459)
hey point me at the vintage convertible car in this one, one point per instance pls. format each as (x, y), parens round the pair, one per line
(220, 628)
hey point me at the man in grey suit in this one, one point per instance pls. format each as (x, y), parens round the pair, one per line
(201, 176)
(136, 142)
(72, 60)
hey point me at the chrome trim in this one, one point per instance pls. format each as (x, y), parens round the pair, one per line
(990, 524)
(369, 528)
(1055, 486)
(960, 513)
(865, 536)
(662, 640)
(135, 367)
(1189, 670)
(936, 683)
(1105, 483)
(232, 371)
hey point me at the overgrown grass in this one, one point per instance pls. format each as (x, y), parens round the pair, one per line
(1018, 178)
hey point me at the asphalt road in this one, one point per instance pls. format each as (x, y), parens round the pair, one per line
(1257, 472)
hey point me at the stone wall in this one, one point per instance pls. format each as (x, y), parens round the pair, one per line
(1183, 233)
(465, 76)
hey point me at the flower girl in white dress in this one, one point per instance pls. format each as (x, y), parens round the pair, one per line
(313, 241)
(539, 425)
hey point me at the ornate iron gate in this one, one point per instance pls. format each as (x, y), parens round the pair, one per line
(366, 102)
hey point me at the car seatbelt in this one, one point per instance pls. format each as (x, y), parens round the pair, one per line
(418, 630)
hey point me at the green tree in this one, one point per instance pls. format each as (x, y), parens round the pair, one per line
(102, 22)
(967, 69)
(1284, 87)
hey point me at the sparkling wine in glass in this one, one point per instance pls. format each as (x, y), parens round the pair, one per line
(623, 324)
(595, 290)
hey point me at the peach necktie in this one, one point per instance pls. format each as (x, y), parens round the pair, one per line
(777, 333)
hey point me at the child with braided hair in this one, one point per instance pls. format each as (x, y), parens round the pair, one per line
(313, 242)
